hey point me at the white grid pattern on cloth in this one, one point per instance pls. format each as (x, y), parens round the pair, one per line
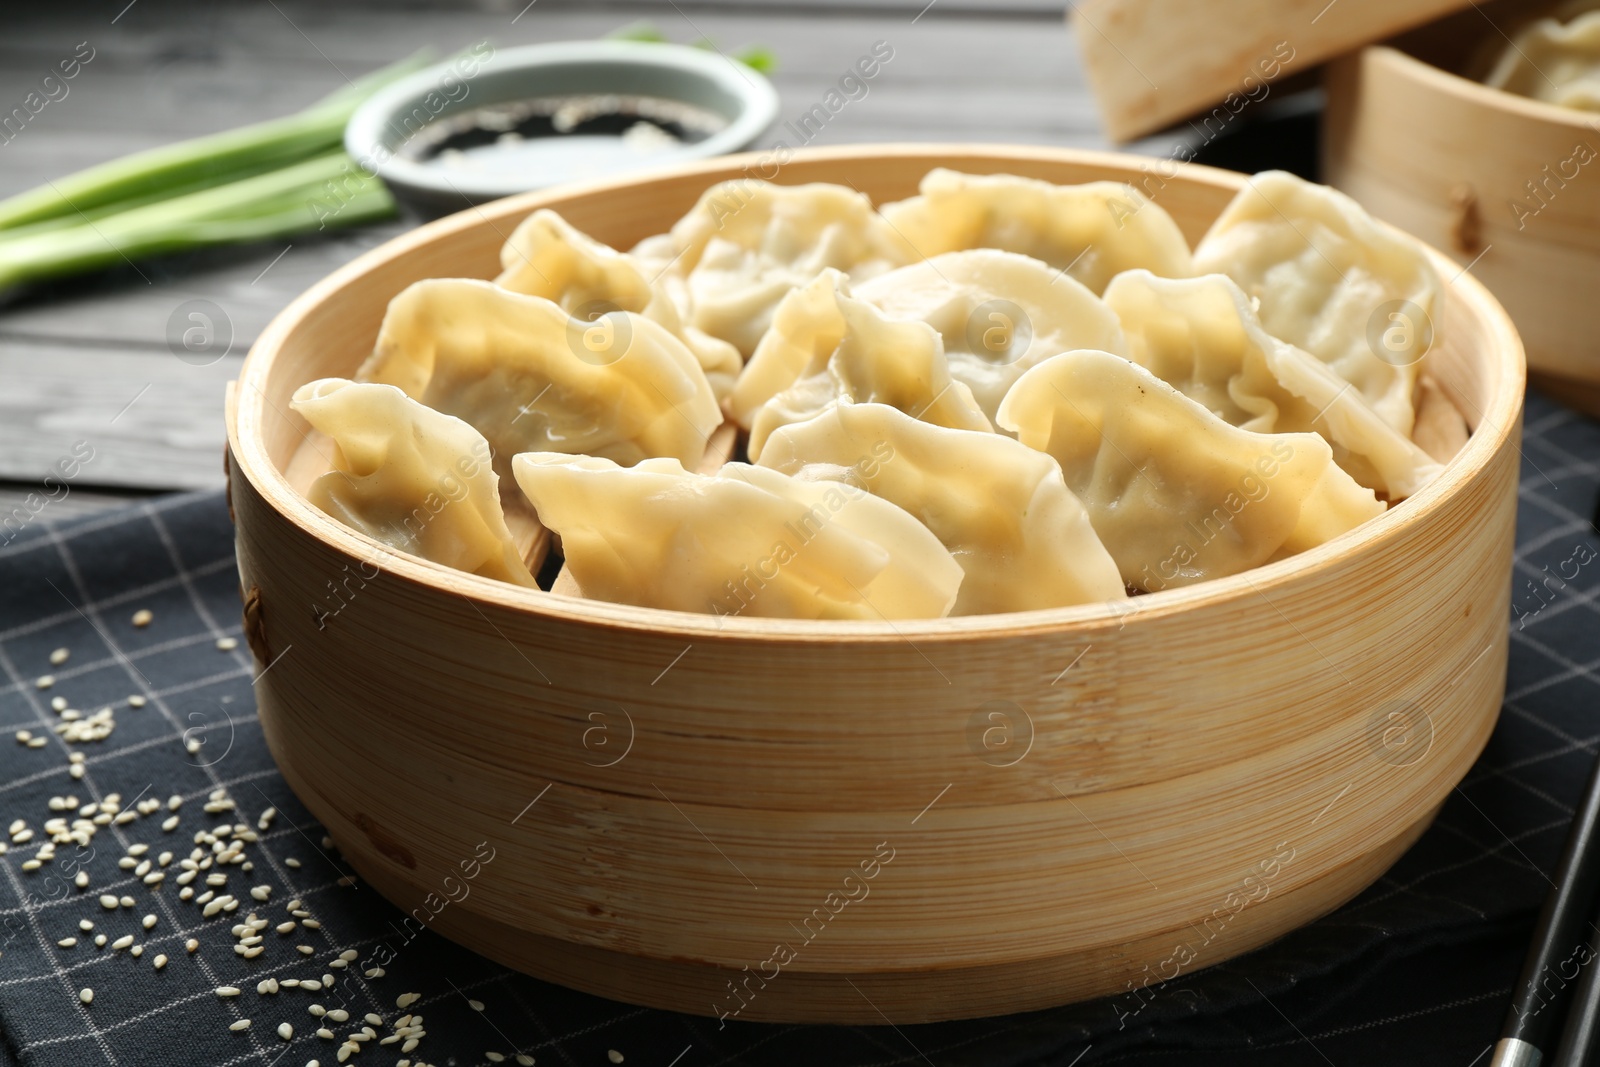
(1546, 665)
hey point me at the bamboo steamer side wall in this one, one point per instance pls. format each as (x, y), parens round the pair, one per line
(670, 796)
(1491, 177)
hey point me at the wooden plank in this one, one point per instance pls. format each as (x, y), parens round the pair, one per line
(150, 419)
(1153, 62)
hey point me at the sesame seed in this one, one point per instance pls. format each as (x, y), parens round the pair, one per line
(226, 991)
(76, 770)
(285, 927)
(141, 618)
(339, 1015)
(24, 736)
(375, 972)
(67, 942)
(169, 824)
(227, 644)
(59, 656)
(292, 862)
(242, 1024)
(291, 983)
(160, 962)
(524, 1059)
(86, 995)
(261, 892)
(148, 921)
(108, 902)
(304, 950)
(99, 940)
(31, 865)
(317, 1010)
(475, 1005)
(81, 879)
(494, 1057)
(267, 985)
(375, 1020)
(136, 951)
(405, 1000)
(285, 1031)
(614, 1056)
(190, 945)
(309, 924)
(311, 984)
(349, 955)
(324, 1033)
(85, 925)
(126, 902)
(45, 681)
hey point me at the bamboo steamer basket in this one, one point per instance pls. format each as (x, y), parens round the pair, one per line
(938, 819)
(1448, 158)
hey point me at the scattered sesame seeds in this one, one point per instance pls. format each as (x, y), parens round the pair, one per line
(405, 1000)
(227, 644)
(160, 962)
(242, 1024)
(142, 618)
(59, 656)
(286, 1031)
(86, 995)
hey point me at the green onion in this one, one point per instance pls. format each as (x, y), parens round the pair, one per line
(200, 163)
(328, 189)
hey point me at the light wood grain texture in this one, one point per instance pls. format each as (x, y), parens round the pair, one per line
(1064, 792)
(1448, 159)
(1154, 62)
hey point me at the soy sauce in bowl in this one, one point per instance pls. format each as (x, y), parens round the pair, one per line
(573, 136)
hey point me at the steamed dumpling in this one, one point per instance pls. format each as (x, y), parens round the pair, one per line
(1093, 231)
(1555, 61)
(1201, 336)
(745, 541)
(825, 346)
(1176, 494)
(545, 256)
(1331, 280)
(406, 475)
(999, 313)
(530, 378)
(746, 243)
(1000, 507)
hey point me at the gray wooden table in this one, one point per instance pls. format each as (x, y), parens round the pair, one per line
(90, 360)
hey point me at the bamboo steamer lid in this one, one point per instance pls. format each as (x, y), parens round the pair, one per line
(1152, 63)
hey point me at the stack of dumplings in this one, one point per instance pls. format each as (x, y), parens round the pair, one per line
(999, 395)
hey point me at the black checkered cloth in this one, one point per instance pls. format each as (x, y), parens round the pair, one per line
(1417, 970)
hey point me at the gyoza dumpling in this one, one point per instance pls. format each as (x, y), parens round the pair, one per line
(1200, 336)
(1093, 231)
(744, 541)
(1000, 507)
(404, 474)
(1176, 494)
(1554, 60)
(825, 346)
(1331, 280)
(999, 313)
(746, 243)
(530, 378)
(545, 256)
